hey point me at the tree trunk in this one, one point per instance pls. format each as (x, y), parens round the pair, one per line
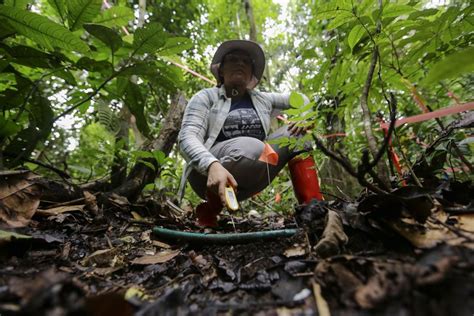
(142, 174)
(251, 19)
(367, 122)
(141, 12)
(118, 171)
(335, 178)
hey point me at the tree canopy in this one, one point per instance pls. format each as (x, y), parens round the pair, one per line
(86, 84)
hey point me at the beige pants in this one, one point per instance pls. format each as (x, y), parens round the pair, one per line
(240, 156)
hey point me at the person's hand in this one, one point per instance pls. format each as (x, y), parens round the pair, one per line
(218, 178)
(296, 130)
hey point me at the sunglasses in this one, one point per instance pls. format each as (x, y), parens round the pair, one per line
(232, 58)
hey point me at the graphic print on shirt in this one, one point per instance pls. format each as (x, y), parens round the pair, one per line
(243, 122)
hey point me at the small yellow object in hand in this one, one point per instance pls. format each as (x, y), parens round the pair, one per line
(230, 199)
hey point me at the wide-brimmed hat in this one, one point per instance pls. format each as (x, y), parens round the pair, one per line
(253, 49)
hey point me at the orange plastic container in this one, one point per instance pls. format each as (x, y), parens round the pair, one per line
(305, 179)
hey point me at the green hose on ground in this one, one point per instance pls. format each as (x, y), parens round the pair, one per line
(230, 238)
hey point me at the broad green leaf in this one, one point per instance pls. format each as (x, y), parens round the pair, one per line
(365, 7)
(149, 39)
(326, 14)
(42, 30)
(84, 107)
(148, 164)
(6, 30)
(20, 4)
(59, 7)
(40, 124)
(143, 154)
(8, 128)
(106, 35)
(4, 64)
(115, 16)
(121, 84)
(309, 53)
(395, 10)
(454, 65)
(296, 100)
(90, 64)
(355, 35)
(135, 101)
(159, 156)
(342, 18)
(422, 13)
(82, 11)
(140, 69)
(332, 80)
(29, 56)
(67, 76)
(175, 45)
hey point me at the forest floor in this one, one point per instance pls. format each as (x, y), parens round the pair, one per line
(108, 261)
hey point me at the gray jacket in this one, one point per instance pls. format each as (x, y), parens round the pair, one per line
(204, 117)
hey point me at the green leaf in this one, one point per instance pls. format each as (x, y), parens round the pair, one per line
(106, 35)
(159, 156)
(115, 16)
(67, 76)
(149, 39)
(451, 66)
(82, 11)
(139, 69)
(422, 13)
(175, 45)
(6, 30)
(355, 35)
(42, 30)
(395, 10)
(103, 66)
(143, 154)
(121, 86)
(342, 18)
(136, 103)
(20, 4)
(40, 125)
(32, 57)
(8, 128)
(296, 100)
(59, 7)
(148, 164)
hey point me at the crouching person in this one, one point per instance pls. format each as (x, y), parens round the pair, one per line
(224, 130)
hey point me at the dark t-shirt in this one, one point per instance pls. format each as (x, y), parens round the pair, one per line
(242, 120)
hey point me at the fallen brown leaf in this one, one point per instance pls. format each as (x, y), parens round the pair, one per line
(160, 244)
(91, 202)
(60, 209)
(103, 257)
(321, 304)
(160, 257)
(295, 251)
(19, 198)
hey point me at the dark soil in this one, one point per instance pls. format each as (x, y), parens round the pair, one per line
(79, 264)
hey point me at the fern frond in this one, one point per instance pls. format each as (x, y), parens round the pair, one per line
(108, 118)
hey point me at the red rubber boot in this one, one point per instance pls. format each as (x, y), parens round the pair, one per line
(305, 179)
(207, 212)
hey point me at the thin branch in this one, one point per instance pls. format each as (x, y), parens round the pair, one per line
(33, 89)
(59, 172)
(347, 166)
(364, 104)
(90, 96)
(382, 150)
